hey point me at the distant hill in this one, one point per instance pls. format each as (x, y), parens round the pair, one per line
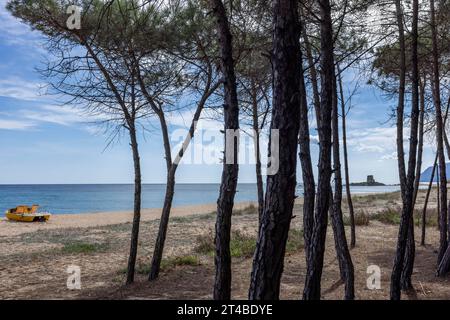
(426, 175)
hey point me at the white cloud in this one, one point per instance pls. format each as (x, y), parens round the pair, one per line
(61, 115)
(390, 156)
(16, 125)
(381, 141)
(183, 119)
(18, 88)
(24, 119)
(377, 139)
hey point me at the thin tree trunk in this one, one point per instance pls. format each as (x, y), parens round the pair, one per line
(438, 200)
(225, 202)
(163, 225)
(444, 265)
(170, 189)
(447, 147)
(136, 161)
(347, 175)
(280, 187)
(337, 222)
(401, 99)
(420, 147)
(137, 207)
(439, 136)
(312, 70)
(256, 132)
(398, 263)
(406, 229)
(172, 167)
(408, 264)
(427, 196)
(317, 244)
(309, 186)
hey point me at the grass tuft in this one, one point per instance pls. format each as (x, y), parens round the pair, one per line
(83, 247)
(242, 245)
(170, 263)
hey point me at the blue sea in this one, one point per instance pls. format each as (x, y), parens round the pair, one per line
(67, 199)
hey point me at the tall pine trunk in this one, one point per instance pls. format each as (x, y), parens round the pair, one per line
(172, 167)
(408, 264)
(337, 222)
(225, 202)
(401, 99)
(405, 225)
(421, 132)
(439, 136)
(406, 230)
(317, 244)
(406, 283)
(312, 69)
(347, 175)
(170, 189)
(280, 188)
(444, 265)
(137, 207)
(309, 186)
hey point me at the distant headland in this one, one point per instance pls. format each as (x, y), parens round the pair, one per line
(369, 183)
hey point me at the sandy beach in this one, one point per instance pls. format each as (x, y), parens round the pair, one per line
(85, 220)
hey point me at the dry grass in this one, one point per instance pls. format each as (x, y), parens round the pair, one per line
(242, 245)
(361, 219)
(33, 265)
(431, 217)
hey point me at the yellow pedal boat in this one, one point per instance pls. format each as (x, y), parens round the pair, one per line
(27, 214)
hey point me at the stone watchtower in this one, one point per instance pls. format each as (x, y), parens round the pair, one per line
(370, 180)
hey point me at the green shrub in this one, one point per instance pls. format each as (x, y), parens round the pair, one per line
(388, 216)
(242, 245)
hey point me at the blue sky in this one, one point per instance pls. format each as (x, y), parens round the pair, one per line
(44, 142)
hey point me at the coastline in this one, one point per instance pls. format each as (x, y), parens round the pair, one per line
(85, 220)
(107, 218)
